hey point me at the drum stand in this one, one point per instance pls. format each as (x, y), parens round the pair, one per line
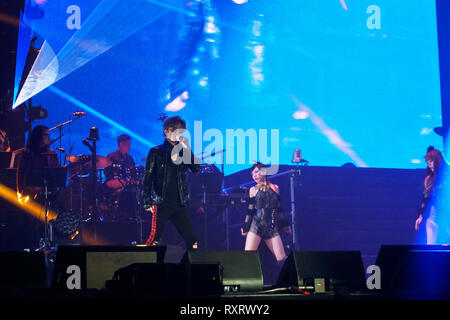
(93, 137)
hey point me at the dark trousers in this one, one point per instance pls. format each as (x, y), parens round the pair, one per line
(179, 216)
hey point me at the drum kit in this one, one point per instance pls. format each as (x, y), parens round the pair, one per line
(118, 189)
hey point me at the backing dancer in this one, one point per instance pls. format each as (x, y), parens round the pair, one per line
(262, 219)
(428, 205)
(165, 192)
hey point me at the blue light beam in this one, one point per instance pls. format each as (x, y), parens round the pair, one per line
(99, 115)
(111, 22)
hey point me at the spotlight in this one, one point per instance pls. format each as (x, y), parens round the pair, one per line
(37, 113)
(93, 134)
(67, 225)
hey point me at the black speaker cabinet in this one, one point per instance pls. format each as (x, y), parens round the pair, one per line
(168, 280)
(415, 271)
(94, 265)
(328, 269)
(241, 269)
(22, 270)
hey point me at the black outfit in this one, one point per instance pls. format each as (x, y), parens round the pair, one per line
(165, 186)
(435, 184)
(427, 195)
(263, 214)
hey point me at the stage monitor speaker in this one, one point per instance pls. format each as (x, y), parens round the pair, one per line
(164, 280)
(325, 271)
(241, 269)
(415, 271)
(97, 264)
(22, 270)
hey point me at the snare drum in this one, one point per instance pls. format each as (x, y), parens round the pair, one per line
(115, 171)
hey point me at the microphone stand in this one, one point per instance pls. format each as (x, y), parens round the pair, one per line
(59, 126)
(93, 149)
(204, 187)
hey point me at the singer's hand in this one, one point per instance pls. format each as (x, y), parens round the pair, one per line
(418, 222)
(184, 141)
(150, 209)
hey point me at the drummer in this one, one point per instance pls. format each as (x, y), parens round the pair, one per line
(122, 162)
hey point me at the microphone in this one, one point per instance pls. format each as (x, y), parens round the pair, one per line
(63, 151)
(87, 144)
(182, 142)
(79, 113)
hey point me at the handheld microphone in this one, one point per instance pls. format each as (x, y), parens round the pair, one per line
(182, 142)
(79, 113)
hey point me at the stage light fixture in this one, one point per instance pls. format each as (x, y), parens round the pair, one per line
(37, 113)
(67, 224)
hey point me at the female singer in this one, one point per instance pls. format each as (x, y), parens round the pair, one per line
(261, 221)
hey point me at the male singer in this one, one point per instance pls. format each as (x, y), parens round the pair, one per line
(165, 192)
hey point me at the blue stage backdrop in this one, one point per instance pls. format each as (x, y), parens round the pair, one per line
(343, 80)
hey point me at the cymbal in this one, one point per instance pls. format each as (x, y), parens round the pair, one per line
(85, 160)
